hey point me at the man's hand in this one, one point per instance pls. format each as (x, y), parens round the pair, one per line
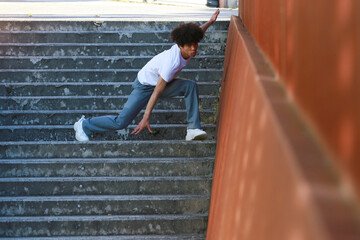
(144, 123)
(211, 21)
(214, 16)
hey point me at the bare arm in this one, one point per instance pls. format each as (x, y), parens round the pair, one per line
(213, 18)
(144, 123)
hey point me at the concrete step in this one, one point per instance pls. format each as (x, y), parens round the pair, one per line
(96, 75)
(59, 186)
(133, 36)
(97, 49)
(108, 149)
(103, 205)
(68, 117)
(67, 133)
(98, 26)
(103, 225)
(97, 167)
(85, 89)
(99, 62)
(92, 103)
(119, 237)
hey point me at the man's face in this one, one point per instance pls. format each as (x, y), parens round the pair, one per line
(189, 50)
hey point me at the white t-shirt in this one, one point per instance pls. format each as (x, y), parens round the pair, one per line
(166, 64)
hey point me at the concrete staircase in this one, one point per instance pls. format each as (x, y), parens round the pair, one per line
(117, 186)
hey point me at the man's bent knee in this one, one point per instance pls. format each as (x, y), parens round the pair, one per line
(124, 118)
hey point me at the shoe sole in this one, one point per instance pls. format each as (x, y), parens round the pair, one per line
(198, 137)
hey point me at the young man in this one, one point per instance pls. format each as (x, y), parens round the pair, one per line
(155, 79)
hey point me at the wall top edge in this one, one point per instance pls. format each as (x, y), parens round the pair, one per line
(261, 66)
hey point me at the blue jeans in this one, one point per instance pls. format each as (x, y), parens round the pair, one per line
(138, 99)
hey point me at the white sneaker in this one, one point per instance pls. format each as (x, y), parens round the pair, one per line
(80, 135)
(196, 134)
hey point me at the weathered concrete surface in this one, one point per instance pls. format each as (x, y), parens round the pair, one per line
(66, 133)
(120, 36)
(272, 179)
(103, 205)
(96, 75)
(97, 225)
(79, 25)
(85, 89)
(68, 186)
(314, 48)
(155, 187)
(109, 62)
(97, 103)
(108, 10)
(99, 49)
(146, 149)
(100, 167)
(68, 117)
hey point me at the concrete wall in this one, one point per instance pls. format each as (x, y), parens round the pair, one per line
(314, 48)
(273, 179)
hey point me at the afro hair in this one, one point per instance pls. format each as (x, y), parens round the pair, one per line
(187, 33)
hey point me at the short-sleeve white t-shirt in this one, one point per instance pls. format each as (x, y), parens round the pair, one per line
(166, 64)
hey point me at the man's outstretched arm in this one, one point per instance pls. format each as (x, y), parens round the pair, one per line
(144, 123)
(213, 18)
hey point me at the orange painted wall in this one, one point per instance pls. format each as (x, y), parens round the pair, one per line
(314, 48)
(272, 178)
